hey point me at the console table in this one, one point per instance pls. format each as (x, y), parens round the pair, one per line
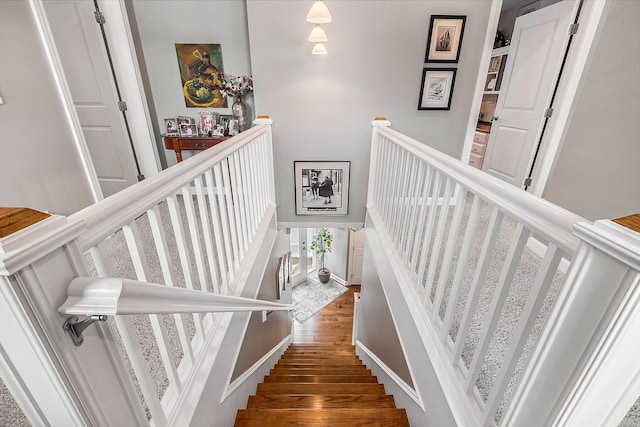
(179, 143)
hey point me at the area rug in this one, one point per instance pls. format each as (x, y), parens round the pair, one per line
(311, 296)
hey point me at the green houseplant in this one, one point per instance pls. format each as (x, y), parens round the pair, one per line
(321, 246)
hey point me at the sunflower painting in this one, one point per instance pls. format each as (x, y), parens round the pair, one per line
(201, 70)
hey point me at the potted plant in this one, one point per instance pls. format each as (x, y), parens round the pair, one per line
(321, 246)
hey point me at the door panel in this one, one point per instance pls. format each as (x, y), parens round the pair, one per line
(538, 45)
(357, 239)
(301, 261)
(81, 49)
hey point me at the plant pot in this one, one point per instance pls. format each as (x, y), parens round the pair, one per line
(324, 275)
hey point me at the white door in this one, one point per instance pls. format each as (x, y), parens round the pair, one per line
(357, 256)
(302, 260)
(81, 48)
(538, 45)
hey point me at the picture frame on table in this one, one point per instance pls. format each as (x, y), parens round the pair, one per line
(189, 129)
(436, 90)
(233, 127)
(218, 130)
(207, 122)
(445, 38)
(171, 127)
(322, 188)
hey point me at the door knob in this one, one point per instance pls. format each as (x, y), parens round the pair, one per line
(494, 118)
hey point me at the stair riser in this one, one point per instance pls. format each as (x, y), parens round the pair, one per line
(326, 402)
(320, 379)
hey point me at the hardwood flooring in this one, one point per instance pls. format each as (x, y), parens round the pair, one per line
(320, 381)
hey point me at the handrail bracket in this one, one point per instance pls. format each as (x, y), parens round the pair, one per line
(75, 326)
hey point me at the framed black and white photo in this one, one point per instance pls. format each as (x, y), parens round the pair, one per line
(322, 188)
(437, 88)
(445, 38)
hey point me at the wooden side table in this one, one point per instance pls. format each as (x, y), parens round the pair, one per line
(199, 143)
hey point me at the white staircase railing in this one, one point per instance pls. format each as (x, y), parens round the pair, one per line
(480, 264)
(201, 230)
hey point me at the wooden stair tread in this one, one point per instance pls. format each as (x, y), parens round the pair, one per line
(280, 401)
(311, 388)
(324, 370)
(322, 417)
(319, 379)
(319, 362)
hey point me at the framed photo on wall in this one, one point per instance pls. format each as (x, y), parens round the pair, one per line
(322, 188)
(445, 38)
(437, 88)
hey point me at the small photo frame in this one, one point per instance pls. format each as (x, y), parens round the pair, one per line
(171, 127)
(322, 188)
(218, 130)
(189, 129)
(436, 90)
(445, 38)
(207, 122)
(233, 127)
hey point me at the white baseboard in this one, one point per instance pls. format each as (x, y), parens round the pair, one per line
(275, 354)
(406, 388)
(339, 280)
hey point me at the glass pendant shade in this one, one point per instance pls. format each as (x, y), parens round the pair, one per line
(319, 49)
(317, 35)
(319, 13)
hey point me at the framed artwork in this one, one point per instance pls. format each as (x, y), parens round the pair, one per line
(171, 127)
(445, 38)
(437, 88)
(200, 67)
(322, 188)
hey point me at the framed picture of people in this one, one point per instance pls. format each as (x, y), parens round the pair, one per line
(322, 188)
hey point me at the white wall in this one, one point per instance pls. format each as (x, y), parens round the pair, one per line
(39, 165)
(322, 105)
(162, 24)
(597, 174)
(261, 337)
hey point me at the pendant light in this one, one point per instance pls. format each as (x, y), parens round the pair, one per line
(317, 34)
(319, 49)
(319, 13)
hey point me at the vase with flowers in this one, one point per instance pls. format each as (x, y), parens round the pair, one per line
(237, 87)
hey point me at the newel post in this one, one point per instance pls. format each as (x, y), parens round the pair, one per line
(54, 382)
(585, 368)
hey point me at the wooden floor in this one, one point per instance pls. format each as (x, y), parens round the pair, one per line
(320, 381)
(331, 325)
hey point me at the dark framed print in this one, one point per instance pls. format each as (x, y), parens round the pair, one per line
(437, 88)
(445, 38)
(322, 188)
